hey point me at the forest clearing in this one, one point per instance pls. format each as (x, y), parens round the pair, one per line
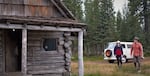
(99, 67)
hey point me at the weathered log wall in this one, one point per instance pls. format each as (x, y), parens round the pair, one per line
(1, 53)
(48, 63)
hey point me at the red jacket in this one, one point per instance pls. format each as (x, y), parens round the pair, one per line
(137, 49)
(118, 50)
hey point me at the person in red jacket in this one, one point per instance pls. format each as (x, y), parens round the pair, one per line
(137, 53)
(118, 52)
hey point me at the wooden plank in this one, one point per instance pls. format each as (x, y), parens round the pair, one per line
(61, 50)
(1, 53)
(34, 41)
(39, 11)
(46, 52)
(45, 11)
(24, 51)
(33, 27)
(43, 32)
(0, 38)
(49, 64)
(52, 74)
(7, 1)
(56, 13)
(43, 67)
(62, 12)
(44, 58)
(2, 58)
(33, 48)
(27, 10)
(11, 26)
(58, 70)
(11, 1)
(17, 10)
(34, 45)
(59, 22)
(18, 2)
(80, 54)
(37, 2)
(1, 1)
(47, 33)
(45, 55)
(1, 6)
(43, 62)
(33, 38)
(7, 9)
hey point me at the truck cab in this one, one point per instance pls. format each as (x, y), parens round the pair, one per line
(109, 51)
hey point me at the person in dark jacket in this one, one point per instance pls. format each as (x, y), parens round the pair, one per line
(118, 52)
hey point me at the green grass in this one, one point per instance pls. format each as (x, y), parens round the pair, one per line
(88, 58)
(96, 66)
(93, 58)
(89, 74)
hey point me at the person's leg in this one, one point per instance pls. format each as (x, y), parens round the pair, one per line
(120, 61)
(117, 60)
(135, 60)
(139, 63)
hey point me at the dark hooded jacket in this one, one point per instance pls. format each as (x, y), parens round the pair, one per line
(118, 50)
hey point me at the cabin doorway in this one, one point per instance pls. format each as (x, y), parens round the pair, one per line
(13, 45)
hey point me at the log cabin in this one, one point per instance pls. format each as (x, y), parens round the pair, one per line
(36, 38)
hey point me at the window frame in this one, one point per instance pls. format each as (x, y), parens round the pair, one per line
(123, 45)
(42, 44)
(129, 45)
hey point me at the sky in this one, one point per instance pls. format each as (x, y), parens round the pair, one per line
(119, 5)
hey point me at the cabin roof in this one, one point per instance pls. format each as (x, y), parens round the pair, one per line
(41, 21)
(66, 18)
(61, 5)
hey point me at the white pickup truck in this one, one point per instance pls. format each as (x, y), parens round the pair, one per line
(109, 52)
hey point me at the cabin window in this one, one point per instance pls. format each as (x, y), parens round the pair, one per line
(50, 44)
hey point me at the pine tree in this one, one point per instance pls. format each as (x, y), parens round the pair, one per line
(106, 28)
(101, 23)
(119, 23)
(75, 6)
(92, 19)
(146, 19)
(131, 25)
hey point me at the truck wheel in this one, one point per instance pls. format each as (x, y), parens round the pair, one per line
(111, 61)
(124, 60)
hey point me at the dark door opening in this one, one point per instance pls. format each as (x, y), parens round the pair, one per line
(13, 45)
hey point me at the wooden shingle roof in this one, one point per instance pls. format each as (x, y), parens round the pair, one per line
(47, 12)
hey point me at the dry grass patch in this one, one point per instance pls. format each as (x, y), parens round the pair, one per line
(103, 68)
